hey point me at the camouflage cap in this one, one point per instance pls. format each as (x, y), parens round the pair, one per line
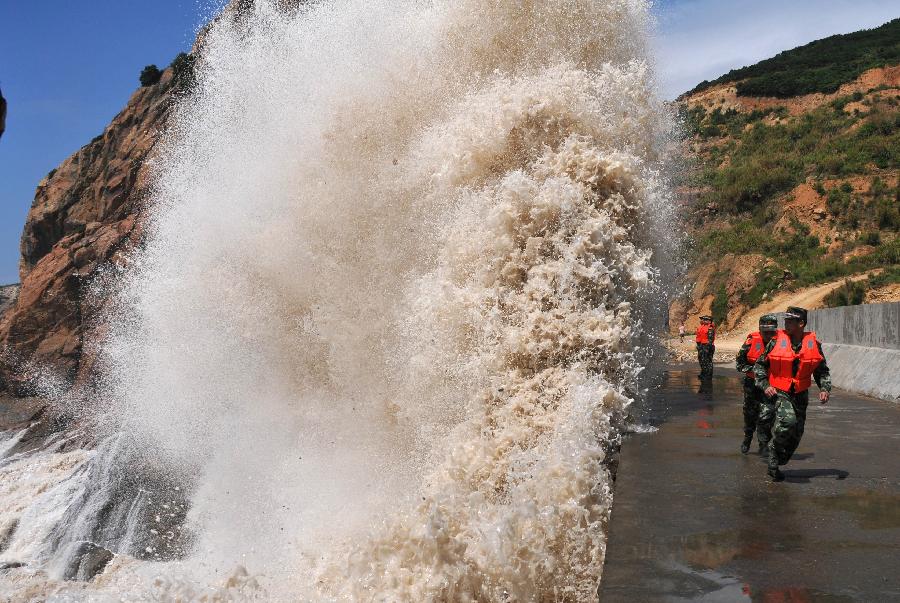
(795, 312)
(768, 322)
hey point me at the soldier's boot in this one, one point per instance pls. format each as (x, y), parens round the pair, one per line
(763, 442)
(745, 446)
(774, 472)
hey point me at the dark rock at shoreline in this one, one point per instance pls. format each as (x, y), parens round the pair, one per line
(88, 561)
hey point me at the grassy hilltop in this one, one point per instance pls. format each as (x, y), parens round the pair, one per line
(820, 66)
(792, 176)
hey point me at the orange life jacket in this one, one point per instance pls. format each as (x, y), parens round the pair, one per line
(755, 341)
(702, 334)
(781, 362)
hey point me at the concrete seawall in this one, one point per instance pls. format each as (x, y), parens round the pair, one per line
(862, 345)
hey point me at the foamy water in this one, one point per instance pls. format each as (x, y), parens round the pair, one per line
(394, 303)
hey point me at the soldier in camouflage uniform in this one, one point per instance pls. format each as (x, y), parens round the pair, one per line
(759, 410)
(785, 369)
(706, 349)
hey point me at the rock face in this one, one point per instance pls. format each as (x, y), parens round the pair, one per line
(8, 296)
(85, 213)
(732, 275)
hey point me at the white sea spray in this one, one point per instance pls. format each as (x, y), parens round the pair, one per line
(401, 264)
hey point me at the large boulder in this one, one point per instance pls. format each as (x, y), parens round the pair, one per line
(88, 560)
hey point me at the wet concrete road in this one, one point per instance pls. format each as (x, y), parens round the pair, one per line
(695, 520)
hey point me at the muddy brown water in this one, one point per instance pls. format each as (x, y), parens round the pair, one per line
(695, 520)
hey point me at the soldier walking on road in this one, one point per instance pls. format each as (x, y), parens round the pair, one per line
(759, 410)
(706, 348)
(785, 369)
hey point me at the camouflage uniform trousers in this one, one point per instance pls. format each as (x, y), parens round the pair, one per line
(705, 354)
(790, 419)
(759, 412)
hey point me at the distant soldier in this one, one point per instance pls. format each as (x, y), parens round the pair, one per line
(785, 369)
(759, 410)
(705, 340)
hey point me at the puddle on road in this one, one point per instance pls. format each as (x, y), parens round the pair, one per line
(796, 595)
(711, 550)
(687, 584)
(872, 509)
(763, 522)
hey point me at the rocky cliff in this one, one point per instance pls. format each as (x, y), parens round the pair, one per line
(85, 213)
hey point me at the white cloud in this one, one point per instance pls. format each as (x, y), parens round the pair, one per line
(703, 39)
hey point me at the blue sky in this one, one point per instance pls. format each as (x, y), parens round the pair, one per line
(68, 67)
(702, 39)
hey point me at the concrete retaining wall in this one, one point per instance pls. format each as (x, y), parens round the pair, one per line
(870, 371)
(862, 345)
(868, 325)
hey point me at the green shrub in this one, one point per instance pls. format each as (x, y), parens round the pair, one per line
(887, 214)
(741, 238)
(870, 238)
(150, 75)
(710, 132)
(888, 276)
(848, 294)
(839, 103)
(767, 281)
(720, 306)
(691, 119)
(746, 184)
(887, 254)
(879, 124)
(183, 76)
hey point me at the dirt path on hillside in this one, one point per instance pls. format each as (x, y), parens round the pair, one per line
(729, 342)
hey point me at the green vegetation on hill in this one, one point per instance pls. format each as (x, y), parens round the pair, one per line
(820, 66)
(150, 75)
(852, 293)
(766, 157)
(183, 73)
(183, 67)
(747, 164)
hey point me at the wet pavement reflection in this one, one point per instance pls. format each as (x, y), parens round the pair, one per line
(695, 520)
